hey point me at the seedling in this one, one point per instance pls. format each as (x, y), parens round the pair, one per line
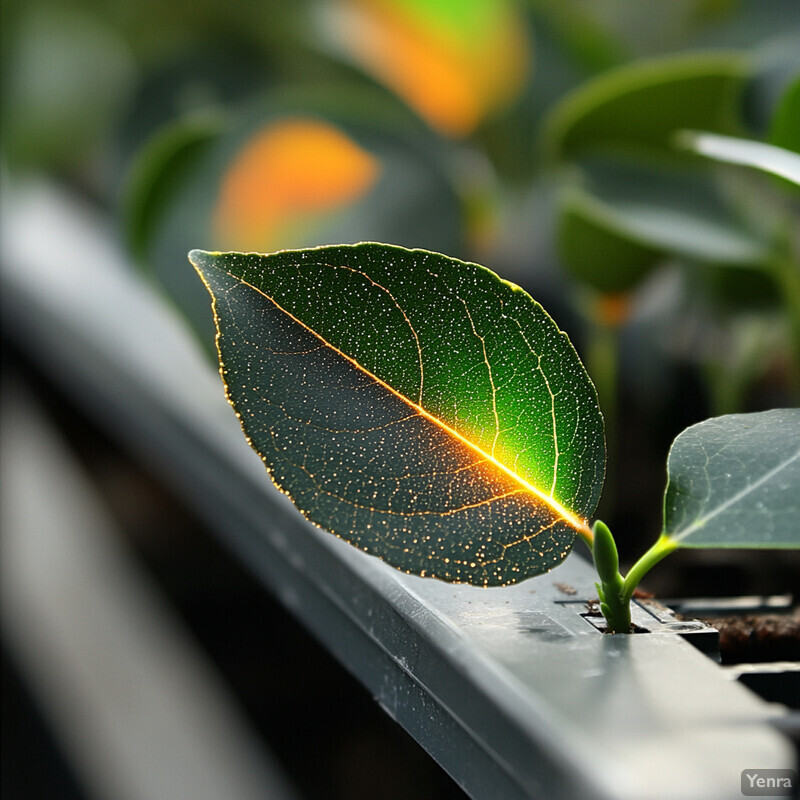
(434, 415)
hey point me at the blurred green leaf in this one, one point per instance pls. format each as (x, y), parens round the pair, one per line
(201, 78)
(579, 34)
(736, 287)
(785, 128)
(612, 233)
(676, 211)
(158, 173)
(454, 63)
(597, 248)
(775, 66)
(734, 481)
(638, 107)
(746, 152)
(689, 236)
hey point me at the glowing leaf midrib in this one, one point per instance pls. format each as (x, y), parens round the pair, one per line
(576, 522)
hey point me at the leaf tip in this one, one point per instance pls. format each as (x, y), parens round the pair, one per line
(198, 257)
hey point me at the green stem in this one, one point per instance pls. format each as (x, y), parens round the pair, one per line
(602, 357)
(662, 548)
(726, 387)
(788, 277)
(615, 591)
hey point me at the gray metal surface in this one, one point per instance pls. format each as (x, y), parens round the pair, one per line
(133, 702)
(511, 690)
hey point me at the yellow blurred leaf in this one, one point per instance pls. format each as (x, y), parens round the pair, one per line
(288, 172)
(453, 62)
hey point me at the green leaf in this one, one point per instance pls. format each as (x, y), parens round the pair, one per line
(158, 173)
(732, 150)
(785, 126)
(454, 63)
(597, 249)
(639, 106)
(734, 481)
(415, 405)
(673, 211)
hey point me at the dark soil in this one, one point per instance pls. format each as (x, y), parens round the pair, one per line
(757, 638)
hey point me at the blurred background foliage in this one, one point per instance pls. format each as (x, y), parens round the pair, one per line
(545, 140)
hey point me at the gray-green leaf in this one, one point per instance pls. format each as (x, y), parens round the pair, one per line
(734, 481)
